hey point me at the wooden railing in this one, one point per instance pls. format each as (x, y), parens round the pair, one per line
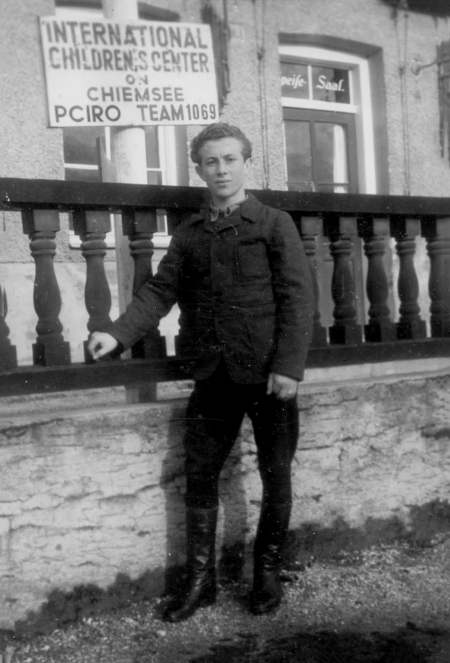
(341, 218)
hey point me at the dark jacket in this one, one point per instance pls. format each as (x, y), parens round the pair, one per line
(244, 290)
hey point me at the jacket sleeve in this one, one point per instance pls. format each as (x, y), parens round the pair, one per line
(294, 297)
(153, 300)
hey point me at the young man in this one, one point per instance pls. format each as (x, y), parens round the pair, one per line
(240, 276)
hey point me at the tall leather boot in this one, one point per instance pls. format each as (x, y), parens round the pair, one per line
(272, 529)
(200, 588)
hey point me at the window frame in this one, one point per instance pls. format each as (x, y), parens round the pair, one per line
(343, 118)
(361, 97)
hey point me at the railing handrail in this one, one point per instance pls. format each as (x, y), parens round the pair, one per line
(138, 372)
(18, 193)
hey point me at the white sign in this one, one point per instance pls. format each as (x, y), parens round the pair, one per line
(134, 73)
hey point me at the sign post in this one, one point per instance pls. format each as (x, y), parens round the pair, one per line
(129, 158)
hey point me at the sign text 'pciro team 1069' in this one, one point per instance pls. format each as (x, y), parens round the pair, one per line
(106, 72)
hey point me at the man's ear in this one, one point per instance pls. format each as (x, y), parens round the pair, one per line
(248, 165)
(199, 171)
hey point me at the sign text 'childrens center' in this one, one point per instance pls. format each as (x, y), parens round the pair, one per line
(128, 73)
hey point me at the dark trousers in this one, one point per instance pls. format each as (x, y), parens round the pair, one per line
(214, 416)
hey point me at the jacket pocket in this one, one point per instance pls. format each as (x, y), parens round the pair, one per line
(252, 261)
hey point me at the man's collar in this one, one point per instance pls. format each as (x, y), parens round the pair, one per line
(216, 211)
(250, 209)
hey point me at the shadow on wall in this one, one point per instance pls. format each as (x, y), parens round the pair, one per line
(309, 542)
(62, 608)
(312, 541)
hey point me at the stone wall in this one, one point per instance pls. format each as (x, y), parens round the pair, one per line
(92, 495)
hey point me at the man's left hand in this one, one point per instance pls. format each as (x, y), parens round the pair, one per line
(282, 386)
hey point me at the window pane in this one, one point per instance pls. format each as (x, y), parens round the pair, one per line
(81, 175)
(333, 188)
(152, 147)
(298, 153)
(294, 80)
(154, 177)
(161, 223)
(181, 156)
(80, 144)
(331, 84)
(331, 153)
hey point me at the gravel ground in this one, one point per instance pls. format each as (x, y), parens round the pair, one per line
(382, 605)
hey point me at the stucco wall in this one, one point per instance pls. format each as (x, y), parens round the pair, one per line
(87, 494)
(412, 100)
(29, 149)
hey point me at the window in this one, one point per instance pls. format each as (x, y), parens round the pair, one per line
(330, 91)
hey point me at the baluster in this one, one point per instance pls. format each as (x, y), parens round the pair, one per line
(380, 327)
(309, 230)
(8, 355)
(437, 233)
(410, 324)
(139, 227)
(92, 227)
(345, 331)
(50, 348)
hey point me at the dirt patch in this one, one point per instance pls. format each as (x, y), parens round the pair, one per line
(382, 605)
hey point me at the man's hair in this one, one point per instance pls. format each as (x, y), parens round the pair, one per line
(215, 132)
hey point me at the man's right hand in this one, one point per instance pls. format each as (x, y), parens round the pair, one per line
(101, 344)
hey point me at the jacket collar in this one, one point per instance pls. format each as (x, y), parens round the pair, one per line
(215, 212)
(251, 208)
(248, 210)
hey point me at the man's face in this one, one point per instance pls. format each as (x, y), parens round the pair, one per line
(223, 169)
